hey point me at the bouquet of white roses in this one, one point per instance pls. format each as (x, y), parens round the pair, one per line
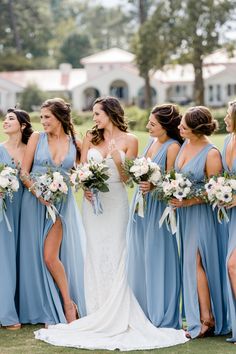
(52, 187)
(174, 185)
(9, 184)
(91, 176)
(142, 169)
(220, 191)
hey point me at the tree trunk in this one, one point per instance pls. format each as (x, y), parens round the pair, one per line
(148, 92)
(142, 11)
(198, 81)
(147, 88)
(14, 27)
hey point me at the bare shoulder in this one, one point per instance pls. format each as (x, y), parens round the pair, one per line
(79, 144)
(214, 154)
(34, 138)
(131, 138)
(173, 148)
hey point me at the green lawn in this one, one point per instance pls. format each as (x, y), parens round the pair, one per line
(23, 342)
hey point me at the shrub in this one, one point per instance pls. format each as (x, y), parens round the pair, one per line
(137, 118)
(32, 98)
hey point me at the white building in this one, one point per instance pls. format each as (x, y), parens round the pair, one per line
(113, 72)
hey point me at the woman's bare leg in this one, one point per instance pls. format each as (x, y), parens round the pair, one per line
(51, 257)
(232, 271)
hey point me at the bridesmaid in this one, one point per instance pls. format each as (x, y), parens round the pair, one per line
(202, 284)
(51, 255)
(18, 128)
(153, 260)
(229, 163)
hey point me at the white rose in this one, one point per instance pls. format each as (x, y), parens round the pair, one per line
(4, 182)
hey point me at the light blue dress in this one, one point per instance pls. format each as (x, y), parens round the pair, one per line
(40, 300)
(153, 260)
(198, 232)
(8, 252)
(231, 248)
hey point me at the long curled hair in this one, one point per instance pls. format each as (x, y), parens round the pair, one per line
(24, 121)
(232, 113)
(112, 107)
(62, 111)
(169, 117)
(200, 120)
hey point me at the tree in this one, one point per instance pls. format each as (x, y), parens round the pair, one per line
(153, 44)
(139, 46)
(32, 97)
(198, 32)
(75, 47)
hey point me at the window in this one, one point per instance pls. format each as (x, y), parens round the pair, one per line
(210, 95)
(218, 93)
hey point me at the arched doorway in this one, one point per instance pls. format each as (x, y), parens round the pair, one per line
(141, 97)
(119, 89)
(90, 95)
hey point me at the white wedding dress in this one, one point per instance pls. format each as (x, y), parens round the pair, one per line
(115, 319)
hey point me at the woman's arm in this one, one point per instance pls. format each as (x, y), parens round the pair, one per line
(213, 167)
(85, 147)
(28, 160)
(131, 152)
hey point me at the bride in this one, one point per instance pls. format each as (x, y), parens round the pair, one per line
(115, 319)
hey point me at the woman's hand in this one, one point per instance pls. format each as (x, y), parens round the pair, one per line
(88, 195)
(182, 203)
(232, 204)
(114, 152)
(145, 187)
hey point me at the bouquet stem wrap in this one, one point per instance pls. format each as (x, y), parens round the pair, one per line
(140, 203)
(96, 202)
(52, 212)
(169, 217)
(221, 213)
(3, 215)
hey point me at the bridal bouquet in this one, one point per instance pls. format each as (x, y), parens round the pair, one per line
(174, 185)
(52, 187)
(9, 184)
(142, 169)
(93, 176)
(220, 191)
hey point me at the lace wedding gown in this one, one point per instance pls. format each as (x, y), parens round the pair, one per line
(115, 320)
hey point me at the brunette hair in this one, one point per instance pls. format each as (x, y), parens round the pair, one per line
(24, 120)
(112, 107)
(169, 117)
(200, 120)
(62, 111)
(232, 113)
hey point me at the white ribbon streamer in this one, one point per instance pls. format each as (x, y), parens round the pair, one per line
(96, 203)
(139, 202)
(221, 212)
(52, 212)
(3, 215)
(169, 217)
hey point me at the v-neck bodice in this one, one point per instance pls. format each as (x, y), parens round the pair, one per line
(161, 154)
(43, 159)
(195, 167)
(5, 157)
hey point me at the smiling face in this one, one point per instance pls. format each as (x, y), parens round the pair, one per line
(185, 131)
(230, 119)
(154, 127)
(100, 117)
(11, 124)
(49, 122)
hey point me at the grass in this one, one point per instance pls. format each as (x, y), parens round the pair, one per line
(23, 342)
